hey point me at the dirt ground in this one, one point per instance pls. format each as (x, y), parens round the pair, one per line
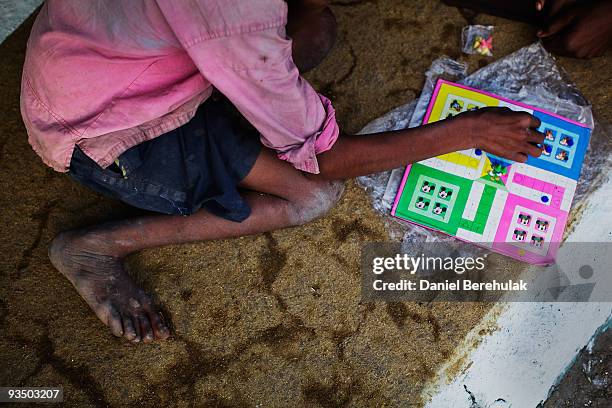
(269, 320)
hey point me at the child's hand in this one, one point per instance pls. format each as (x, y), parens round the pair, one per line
(503, 132)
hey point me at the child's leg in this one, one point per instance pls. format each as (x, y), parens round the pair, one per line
(92, 258)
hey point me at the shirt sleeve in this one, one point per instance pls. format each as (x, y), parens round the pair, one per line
(248, 59)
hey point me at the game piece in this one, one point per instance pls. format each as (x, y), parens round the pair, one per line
(483, 46)
(517, 209)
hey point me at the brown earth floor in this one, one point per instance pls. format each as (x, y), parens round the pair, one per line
(270, 320)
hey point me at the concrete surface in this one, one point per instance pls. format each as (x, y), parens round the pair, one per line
(588, 383)
(270, 320)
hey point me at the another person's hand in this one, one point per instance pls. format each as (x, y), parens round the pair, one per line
(503, 132)
(581, 29)
(551, 7)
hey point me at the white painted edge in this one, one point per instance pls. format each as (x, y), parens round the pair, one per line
(533, 344)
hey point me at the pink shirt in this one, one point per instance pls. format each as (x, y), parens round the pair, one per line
(107, 76)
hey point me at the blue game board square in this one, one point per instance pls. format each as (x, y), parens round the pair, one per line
(575, 140)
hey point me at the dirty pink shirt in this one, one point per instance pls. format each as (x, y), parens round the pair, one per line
(109, 75)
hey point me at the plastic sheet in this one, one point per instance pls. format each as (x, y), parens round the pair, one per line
(529, 75)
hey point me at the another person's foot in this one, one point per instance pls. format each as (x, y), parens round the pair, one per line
(103, 283)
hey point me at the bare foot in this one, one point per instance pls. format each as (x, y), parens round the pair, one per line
(100, 279)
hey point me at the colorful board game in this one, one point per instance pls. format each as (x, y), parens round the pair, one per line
(517, 209)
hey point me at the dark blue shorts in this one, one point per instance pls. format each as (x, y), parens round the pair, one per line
(198, 165)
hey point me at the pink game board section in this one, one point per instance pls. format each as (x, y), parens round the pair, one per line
(401, 188)
(504, 178)
(551, 211)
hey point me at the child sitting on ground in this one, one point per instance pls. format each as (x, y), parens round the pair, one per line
(196, 110)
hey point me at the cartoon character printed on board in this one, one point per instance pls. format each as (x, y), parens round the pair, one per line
(445, 193)
(537, 241)
(421, 203)
(497, 171)
(546, 149)
(519, 235)
(549, 134)
(427, 187)
(562, 155)
(542, 225)
(456, 105)
(566, 141)
(524, 219)
(439, 209)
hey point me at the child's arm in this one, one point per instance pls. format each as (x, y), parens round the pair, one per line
(497, 130)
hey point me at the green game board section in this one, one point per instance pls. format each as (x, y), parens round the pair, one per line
(493, 183)
(413, 193)
(426, 200)
(430, 200)
(482, 213)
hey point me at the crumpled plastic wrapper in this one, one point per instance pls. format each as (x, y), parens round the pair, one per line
(477, 39)
(529, 75)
